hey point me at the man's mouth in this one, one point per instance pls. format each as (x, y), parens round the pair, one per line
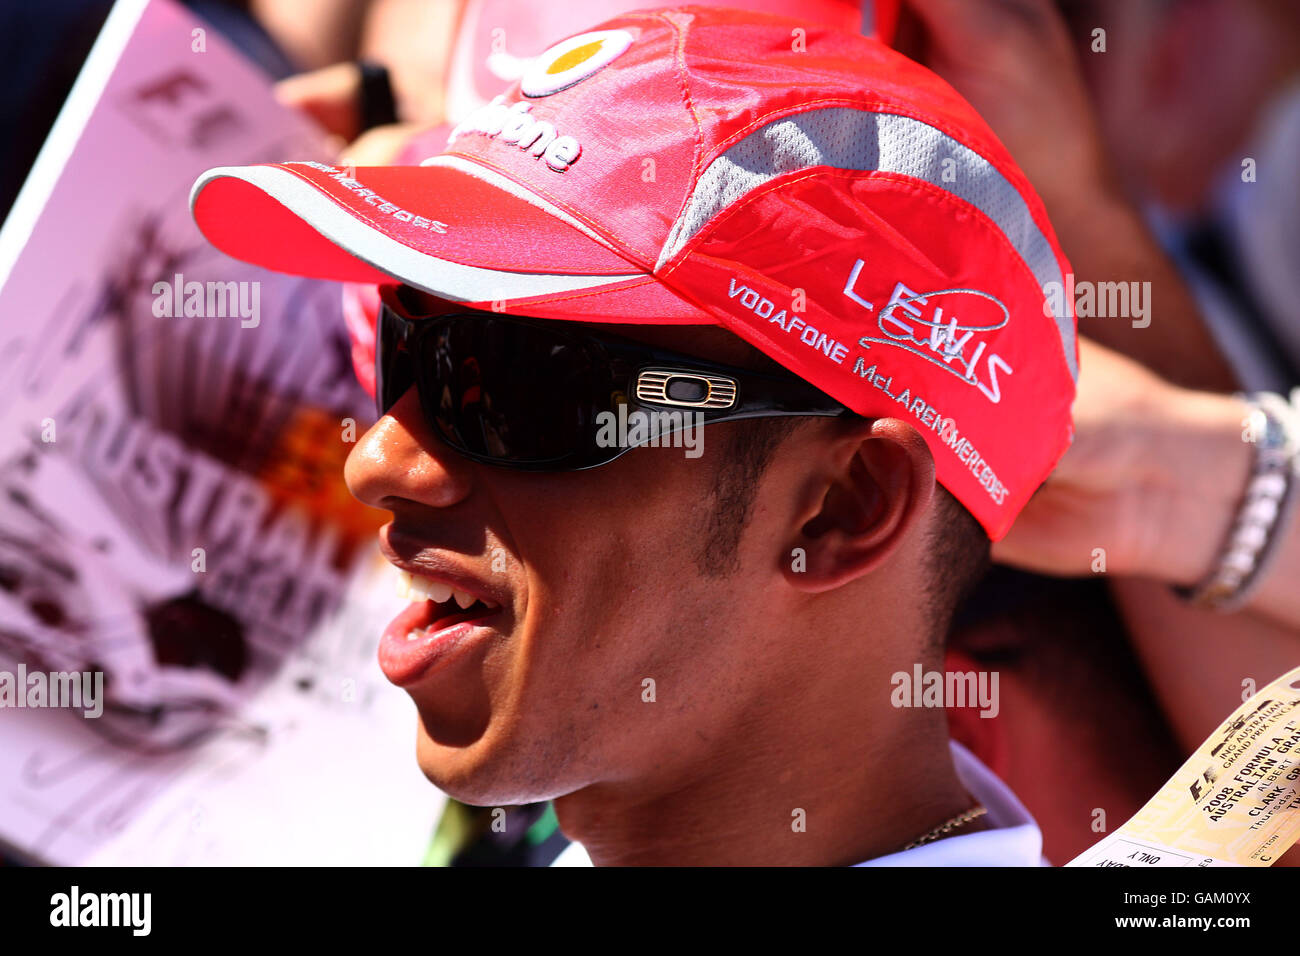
(440, 621)
(450, 606)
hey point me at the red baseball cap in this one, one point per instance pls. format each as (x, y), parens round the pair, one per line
(816, 193)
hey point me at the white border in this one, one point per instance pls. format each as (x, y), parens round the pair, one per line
(66, 131)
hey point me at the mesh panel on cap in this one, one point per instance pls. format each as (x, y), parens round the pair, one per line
(852, 139)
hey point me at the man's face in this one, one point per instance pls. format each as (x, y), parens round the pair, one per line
(612, 657)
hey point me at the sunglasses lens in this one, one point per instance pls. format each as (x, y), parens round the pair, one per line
(510, 392)
(394, 369)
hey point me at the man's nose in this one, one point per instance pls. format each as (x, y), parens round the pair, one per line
(401, 459)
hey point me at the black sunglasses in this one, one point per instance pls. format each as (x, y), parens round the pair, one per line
(532, 395)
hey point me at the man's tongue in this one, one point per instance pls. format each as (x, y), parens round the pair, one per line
(437, 615)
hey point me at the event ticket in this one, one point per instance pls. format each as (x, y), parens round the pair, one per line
(1235, 802)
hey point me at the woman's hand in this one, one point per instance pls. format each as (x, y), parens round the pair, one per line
(332, 97)
(1153, 479)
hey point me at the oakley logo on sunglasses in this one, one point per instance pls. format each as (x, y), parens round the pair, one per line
(665, 386)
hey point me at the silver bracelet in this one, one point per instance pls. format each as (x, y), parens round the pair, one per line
(1266, 508)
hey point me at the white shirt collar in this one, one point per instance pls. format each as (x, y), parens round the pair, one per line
(1013, 840)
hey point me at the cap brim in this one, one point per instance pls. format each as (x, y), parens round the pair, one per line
(467, 235)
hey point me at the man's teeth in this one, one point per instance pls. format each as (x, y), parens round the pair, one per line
(423, 589)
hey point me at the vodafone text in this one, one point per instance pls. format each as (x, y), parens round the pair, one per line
(513, 125)
(765, 308)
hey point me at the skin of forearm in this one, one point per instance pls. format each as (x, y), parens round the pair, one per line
(414, 37)
(1279, 594)
(1198, 662)
(323, 33)
(1202, 465)
(1107, 241)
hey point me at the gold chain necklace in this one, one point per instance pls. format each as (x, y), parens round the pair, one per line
(948, 826)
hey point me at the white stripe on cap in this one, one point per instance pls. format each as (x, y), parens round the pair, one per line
(495, 179)
(450, 280)
(844, 138)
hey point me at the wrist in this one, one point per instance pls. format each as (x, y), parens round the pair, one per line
(1202, 462)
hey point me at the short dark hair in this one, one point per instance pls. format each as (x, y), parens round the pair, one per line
(957, 546)
(750, 447)
(958, 557)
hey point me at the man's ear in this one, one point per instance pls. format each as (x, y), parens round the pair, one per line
(877, 481)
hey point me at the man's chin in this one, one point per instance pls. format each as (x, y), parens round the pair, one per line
(482, 775)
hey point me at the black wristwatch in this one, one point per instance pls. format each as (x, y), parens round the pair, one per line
(377, 106)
